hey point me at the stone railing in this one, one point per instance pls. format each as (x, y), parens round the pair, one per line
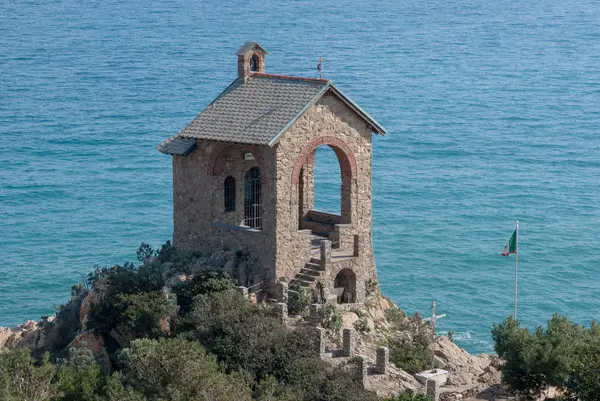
(323, 217)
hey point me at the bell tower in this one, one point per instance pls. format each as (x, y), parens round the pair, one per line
(251, 59)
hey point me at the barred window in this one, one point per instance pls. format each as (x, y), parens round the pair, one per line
(229, 194)
(252, 199)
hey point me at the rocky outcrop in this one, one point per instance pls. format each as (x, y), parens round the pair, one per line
(95, 344)
(469, 375)
(464, 368)
(92, 297)
(26, 335)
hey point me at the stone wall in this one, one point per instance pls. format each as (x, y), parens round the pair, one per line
(329, 122)
(200, 222)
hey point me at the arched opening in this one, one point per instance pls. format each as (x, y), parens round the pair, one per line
(253, 199)
(327, 181)
(345, 287)
(329, 186)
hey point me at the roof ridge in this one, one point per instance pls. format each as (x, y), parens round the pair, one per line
(290, 77)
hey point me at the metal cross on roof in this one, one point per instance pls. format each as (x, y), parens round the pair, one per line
(320, 67)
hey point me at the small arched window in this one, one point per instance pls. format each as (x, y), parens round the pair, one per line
(229, 194)
(253, 199)
(254, 63)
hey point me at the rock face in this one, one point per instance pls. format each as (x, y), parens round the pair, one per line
(468, 374)
(27, 335)
(95, 344)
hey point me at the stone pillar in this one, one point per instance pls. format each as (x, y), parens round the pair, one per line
(282, 311)
(314, 318)
(356, 245)
(349, 343)
(320, 342)
(243, 291)
(282, 291)
(325, 254)
(382, 360)
(362, 369)
(433, 390)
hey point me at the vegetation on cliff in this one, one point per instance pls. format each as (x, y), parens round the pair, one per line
(195, 339)
(563, 355)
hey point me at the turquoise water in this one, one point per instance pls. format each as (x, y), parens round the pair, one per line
(492, 108)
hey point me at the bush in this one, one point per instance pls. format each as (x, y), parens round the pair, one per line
(361, 325)
(22, 379)
(584, 382)
(411, 357)
(202, 283)
(556, 356)
(300, 298)
(134, 315)
(241, 334)
(409, 396)
(179, 370)
(80, 384)
(330, 317)
(395, 315)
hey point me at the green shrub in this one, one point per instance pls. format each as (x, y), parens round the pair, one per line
(133, 315)
(83, 384)
(409, 396)
(395, 315)
(545, 357)
(181, 262)
(243, 335)
(361, 325)
(179, 370)
(409, 356)
(24, 379)
(202, 283)
(330, 317)
(299, 300)
(584, 382)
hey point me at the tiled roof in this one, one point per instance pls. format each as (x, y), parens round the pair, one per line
(177, 146)
(255, 111)
(258, 111)
(246, 47)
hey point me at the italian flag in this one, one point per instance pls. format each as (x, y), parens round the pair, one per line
(511, 247)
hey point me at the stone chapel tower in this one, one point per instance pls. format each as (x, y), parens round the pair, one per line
(243, 180)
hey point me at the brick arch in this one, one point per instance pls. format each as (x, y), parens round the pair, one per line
(343, 152)
(216, 162)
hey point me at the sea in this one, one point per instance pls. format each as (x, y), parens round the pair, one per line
(492, 111)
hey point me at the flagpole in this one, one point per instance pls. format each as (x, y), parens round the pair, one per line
(516, 267)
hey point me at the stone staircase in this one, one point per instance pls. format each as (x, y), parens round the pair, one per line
(309, 274)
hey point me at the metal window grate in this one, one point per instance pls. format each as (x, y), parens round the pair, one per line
(229, 194)
(252, 199)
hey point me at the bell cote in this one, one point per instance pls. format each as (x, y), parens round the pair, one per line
(251, 59)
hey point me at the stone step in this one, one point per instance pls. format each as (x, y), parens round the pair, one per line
(310, 272)
(306, 279)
